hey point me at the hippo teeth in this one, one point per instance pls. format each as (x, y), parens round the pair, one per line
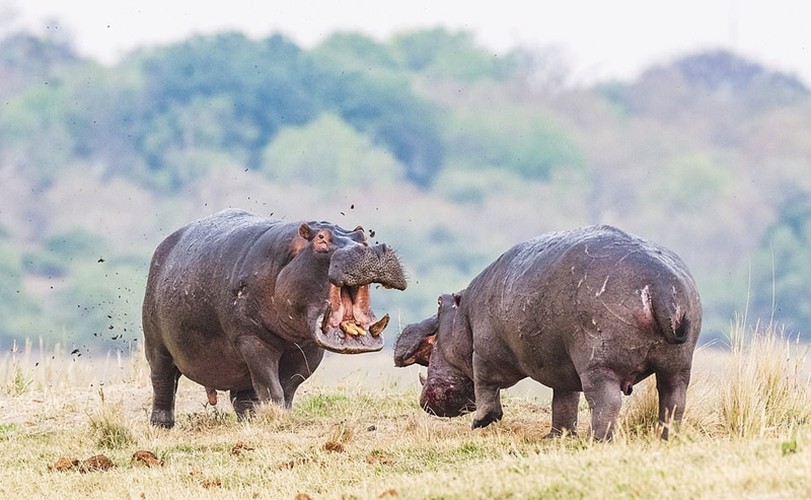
(350, 328)
(377, 328)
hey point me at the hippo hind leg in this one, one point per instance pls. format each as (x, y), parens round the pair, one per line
(164, 375)
(672, 391)
(243, 402)
(602, 390)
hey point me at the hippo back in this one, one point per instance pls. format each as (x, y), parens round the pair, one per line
(544, 300)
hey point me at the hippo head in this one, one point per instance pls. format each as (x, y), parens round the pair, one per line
(341, 266)
(448, 389)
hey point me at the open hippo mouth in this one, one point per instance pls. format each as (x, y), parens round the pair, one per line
(348, 325)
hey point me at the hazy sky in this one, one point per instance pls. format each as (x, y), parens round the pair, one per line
(599, 39)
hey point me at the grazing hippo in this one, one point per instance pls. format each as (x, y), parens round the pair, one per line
(593, 310)
(247, 304)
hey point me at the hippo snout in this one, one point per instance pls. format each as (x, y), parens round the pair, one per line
(360, 265)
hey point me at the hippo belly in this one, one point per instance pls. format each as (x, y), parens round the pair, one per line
(218, 366)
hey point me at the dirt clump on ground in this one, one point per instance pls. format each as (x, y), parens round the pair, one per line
(147, 458)
(96, 463)
(64, 464)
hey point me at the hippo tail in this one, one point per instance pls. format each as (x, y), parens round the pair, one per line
(665, 304)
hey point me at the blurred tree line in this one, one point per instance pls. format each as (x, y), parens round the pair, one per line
(449, 152)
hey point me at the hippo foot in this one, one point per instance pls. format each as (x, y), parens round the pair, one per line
(164, 419)
(244, 403)
(559, 433)
(245, 414)
(487, 419)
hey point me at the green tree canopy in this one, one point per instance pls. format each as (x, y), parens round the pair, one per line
(329, 155)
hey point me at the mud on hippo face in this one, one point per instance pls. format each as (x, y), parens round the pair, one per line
(344, 322)
(448, 390)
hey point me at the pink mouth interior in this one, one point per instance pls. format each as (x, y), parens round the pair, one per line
(349, 304)
(347, 323)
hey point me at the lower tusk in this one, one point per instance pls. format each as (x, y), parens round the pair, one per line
(377, 328)
(422, 378)
(325, 319)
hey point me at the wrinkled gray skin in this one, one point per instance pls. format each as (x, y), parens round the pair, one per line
(247, 304)
(593, 310)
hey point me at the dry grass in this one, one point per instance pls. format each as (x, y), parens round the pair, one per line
(356, 432)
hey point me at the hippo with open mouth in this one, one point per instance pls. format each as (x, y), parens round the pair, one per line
(248, 304)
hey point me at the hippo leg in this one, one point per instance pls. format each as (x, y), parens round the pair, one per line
(295, 367)
(263, 364)
(164, 375)
(487, 384)
(488, 405)
(672, 391)
(243, 402)
(603, 393)
(564, 412)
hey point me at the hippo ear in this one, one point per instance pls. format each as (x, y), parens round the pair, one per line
(305, 234)
(457, 299)
(416, 343)
(305, 231)
(359, 234)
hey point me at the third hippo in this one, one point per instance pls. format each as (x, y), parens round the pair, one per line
(592, 310)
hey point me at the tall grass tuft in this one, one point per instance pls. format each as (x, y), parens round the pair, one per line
(758, 388)
(765, 390)
(17, 383)
(108, 428)
(640, 411)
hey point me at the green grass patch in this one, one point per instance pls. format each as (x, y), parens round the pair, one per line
(19, 383)
(321, 405)
(6, 430)
(210, 419)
